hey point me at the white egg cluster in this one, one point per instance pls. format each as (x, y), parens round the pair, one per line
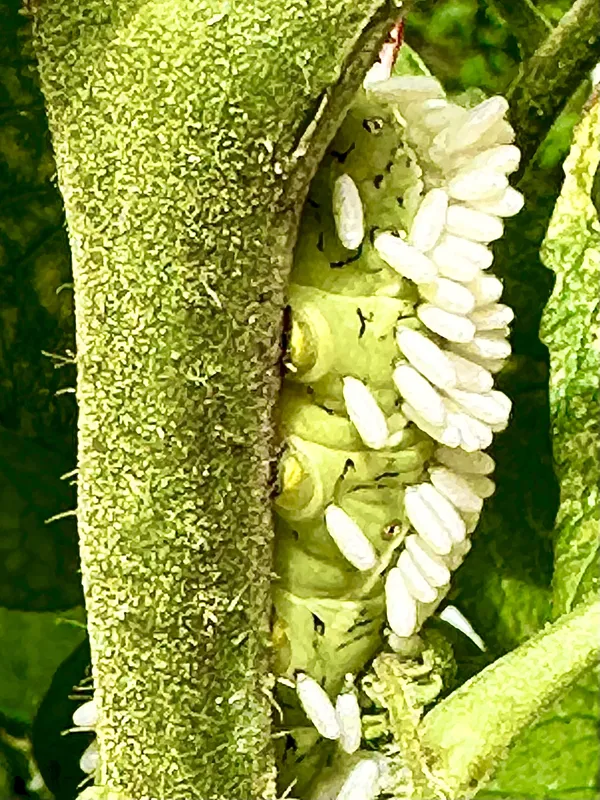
(448, 354)
(444, 374)
(85, 718)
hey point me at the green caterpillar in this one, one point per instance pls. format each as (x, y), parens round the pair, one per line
(388, 403)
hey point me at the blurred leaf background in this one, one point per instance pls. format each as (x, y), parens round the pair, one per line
(505, 586)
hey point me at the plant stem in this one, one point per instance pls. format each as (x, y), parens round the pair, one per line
(173, 124)
(470, 732)
(553, 73)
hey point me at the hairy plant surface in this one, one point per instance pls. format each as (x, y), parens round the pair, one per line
(185, 137)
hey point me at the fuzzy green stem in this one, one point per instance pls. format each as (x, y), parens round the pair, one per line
(175, 125)
(470, 732)
(553, 73)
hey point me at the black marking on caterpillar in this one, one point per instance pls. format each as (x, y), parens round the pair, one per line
(330, 411)
(391, 530)
(372, 231)
(349, 260)
(363, 623)
(362, 486)
(363, 322)
(347, 466)
(286, 328)
(378, 180)
(372, 125)
(318, 625)
(321, 242)
(341, 157)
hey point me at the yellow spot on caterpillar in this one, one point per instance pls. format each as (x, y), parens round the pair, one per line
(302, 351)
(292, 474)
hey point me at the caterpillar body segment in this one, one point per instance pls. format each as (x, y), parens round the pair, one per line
(328, 323)
(388, 405)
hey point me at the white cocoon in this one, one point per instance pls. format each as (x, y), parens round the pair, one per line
(456, 489)
(348, 212)
(429, 220)
(401, 606)
(470, 376)
(508, 204)
(317, 706)
(365, 413)
(475, 185)
(350, 539)
(451, 519)
(362, 783)
(426, 357)
(431, 565)
(472, 224)
(421, 395)
(448, 295)
(453, 327)
(415, 581)
(426, 522)
(469, 463)
(348, 714)
(404, 258)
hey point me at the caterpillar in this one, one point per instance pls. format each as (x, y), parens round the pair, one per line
(394, 335)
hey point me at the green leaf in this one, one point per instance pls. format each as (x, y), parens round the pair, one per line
(36, 314)
(570, 329)
(39, 563)
(32, 645)
(5, 776)
(464, 43)
(558, 757)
